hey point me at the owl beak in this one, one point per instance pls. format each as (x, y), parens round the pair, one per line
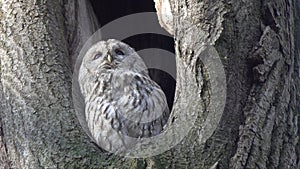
(108, 62)
(109, 58)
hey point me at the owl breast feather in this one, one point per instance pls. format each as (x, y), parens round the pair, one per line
(132, 102)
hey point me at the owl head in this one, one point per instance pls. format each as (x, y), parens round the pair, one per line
(109, 56)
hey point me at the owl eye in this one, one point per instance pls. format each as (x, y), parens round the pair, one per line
(119, 52)
(98, 55)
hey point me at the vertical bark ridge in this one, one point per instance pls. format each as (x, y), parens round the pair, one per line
(296, 74)
(4, 161)
(269, 136)
(197, 23)
(38, 120)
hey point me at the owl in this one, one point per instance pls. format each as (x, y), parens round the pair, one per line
(121, 100)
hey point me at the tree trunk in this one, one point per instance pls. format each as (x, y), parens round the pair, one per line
(258, 43)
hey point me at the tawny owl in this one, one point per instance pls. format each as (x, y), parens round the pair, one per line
(120, 97)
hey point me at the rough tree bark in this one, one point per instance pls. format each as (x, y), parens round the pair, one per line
(257, 46)
(258, 43)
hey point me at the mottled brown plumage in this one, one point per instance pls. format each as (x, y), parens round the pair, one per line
(121, 100)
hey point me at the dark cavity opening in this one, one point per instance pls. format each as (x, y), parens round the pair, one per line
(107, 11)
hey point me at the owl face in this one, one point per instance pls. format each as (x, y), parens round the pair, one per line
(106, 57)
(112, 55)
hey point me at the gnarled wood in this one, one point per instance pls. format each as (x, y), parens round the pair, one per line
(258, 42)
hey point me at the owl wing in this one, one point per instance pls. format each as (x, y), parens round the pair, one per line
(102, 119)
(123, 108)
(141, 105)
